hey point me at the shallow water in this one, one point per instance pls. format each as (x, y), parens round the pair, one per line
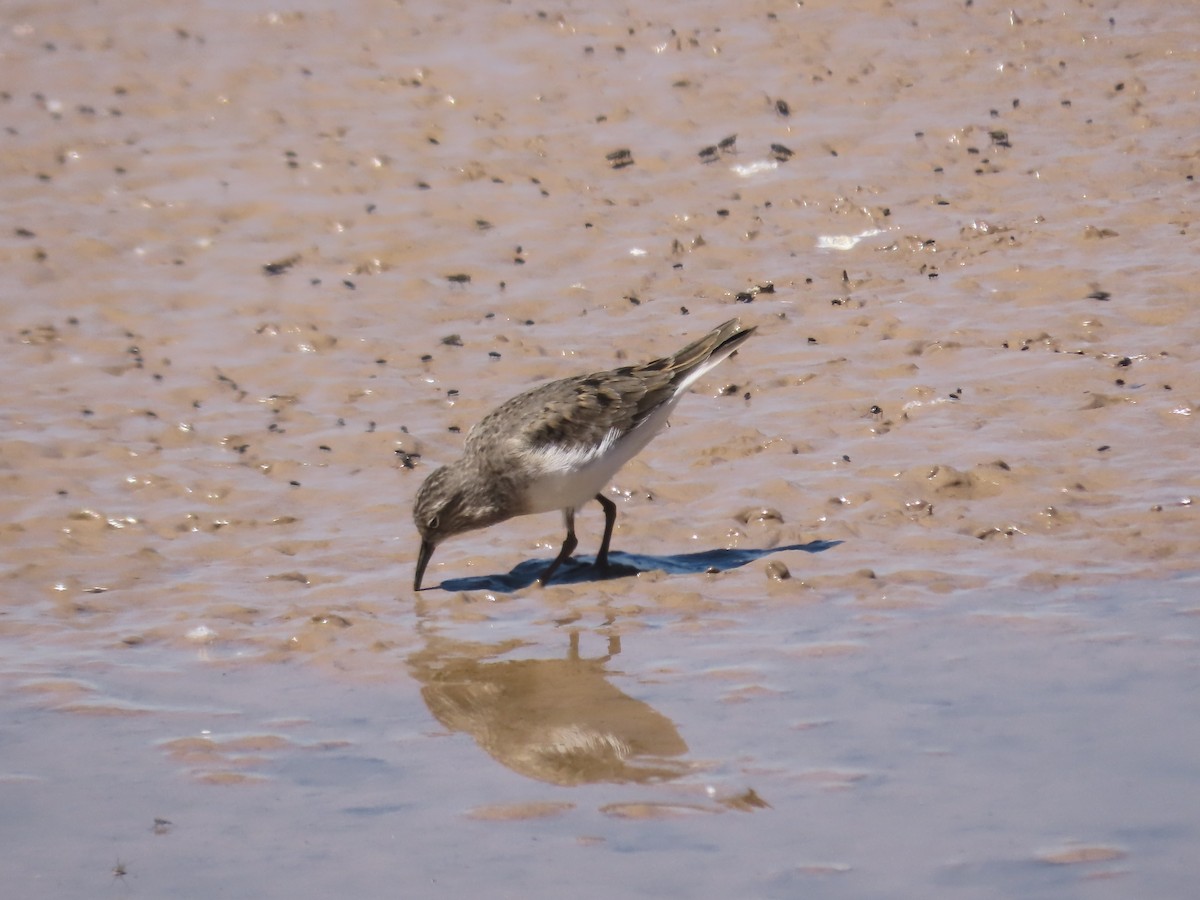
(948, 491)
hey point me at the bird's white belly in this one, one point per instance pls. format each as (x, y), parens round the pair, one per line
(571, 476)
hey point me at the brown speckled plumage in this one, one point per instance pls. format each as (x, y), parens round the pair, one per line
(559, 444)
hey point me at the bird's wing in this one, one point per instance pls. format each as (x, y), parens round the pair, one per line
(587, 411)
(580, 415)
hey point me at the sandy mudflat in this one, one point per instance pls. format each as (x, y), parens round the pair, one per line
(264, 266)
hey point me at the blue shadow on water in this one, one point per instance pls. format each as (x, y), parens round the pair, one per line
(622, 565)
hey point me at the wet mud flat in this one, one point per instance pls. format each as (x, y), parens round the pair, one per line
(915, 569)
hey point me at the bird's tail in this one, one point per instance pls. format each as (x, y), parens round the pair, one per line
(701, 355)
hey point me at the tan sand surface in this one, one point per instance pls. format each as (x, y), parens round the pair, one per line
(262, 268)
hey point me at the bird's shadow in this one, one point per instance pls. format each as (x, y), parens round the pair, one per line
(622, 565)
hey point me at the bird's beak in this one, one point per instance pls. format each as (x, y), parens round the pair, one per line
(422, 562)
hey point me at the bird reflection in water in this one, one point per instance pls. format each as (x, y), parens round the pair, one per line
(555, 720)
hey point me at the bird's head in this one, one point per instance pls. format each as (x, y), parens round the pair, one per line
(452, 500)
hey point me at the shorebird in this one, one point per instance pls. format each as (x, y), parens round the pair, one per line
(556, 447)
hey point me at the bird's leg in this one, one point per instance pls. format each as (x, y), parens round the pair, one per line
(610, 519)
(568, 547)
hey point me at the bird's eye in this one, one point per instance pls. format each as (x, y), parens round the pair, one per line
(434, 523)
